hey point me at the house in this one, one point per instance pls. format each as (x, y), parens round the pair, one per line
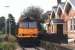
(69, 18)
(57, 21)
(51, 27)
(62, 19)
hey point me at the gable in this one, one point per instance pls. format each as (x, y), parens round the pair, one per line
(62, 4)
(68, 8)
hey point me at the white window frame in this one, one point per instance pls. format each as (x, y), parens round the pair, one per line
(72, 20)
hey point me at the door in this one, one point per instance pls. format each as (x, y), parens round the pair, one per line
(60, 30)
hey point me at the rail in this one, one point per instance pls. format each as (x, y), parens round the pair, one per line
(35, 48)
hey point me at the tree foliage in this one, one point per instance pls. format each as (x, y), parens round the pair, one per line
(45, 16)
(11, 24)
(34, 12)
(2, 24)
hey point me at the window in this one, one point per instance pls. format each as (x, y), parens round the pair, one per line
(52, 28)
(72, 26)
(22, 25)
(32, 24)
(28, 25)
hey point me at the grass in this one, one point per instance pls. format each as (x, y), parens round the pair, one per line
(9, 44)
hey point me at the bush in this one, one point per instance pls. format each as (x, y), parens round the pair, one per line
(12, 38)
(1, 32)
(7, 46)
(10, 44)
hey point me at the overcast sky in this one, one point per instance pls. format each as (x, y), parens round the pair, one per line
(16, 7)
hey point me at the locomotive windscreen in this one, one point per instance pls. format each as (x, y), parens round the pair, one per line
(28, 24)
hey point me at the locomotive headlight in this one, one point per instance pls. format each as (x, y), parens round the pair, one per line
(19, 34)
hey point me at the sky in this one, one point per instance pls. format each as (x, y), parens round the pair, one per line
(16, 7)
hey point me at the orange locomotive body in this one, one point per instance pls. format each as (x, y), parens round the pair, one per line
(27, 29)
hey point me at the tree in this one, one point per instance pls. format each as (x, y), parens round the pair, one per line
(33, 12)
(11, 24)
(2, 24)
(45, 16)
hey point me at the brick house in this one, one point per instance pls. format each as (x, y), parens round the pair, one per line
(69, 18)
(62, 19)
(57, 22)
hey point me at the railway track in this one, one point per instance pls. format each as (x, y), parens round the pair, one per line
(35, 48)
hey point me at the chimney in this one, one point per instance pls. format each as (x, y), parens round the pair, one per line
(58, 1)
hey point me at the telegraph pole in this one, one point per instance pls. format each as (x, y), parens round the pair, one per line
(6, 21)
(5, 26)
(9, 27)
(7, 34)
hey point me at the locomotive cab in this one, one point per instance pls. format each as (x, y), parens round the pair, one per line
(27, 29)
